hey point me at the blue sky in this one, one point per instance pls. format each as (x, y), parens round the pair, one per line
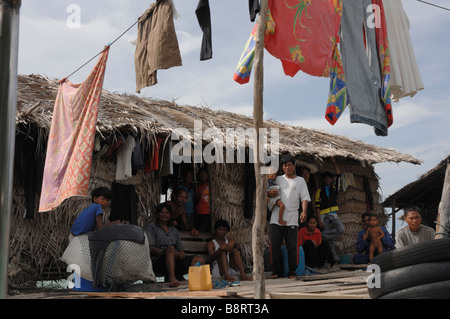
(48, 46)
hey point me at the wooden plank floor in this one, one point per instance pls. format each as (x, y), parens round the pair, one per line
(345, 284)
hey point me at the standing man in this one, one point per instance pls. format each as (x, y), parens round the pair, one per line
(414, 232)
(293, 192)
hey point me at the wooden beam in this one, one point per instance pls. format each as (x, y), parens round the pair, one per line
(298, 295)
(443, 218)
(259, 223)
(153, 295)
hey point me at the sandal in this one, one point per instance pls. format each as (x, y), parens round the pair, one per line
(310, 271)
(217, 284)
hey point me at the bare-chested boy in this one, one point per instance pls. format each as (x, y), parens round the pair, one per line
(374, 233)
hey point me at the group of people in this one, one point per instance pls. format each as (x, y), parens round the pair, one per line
(374, 239)
(168, 257)
(303, 216)
(293, 202)
(188, 209)
(290, 204)
(190, 204)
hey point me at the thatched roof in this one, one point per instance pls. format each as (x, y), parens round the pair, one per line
(124, 112)
(425, 192)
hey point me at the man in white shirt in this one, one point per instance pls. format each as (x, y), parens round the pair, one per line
(415, 232)
(293, 192)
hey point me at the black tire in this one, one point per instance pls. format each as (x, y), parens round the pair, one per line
(435, 290)
(428, 251)
(410, 276)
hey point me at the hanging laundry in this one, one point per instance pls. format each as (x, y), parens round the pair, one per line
(124, 168)
(157, 44)
(384, 55)
(362, 70)
(337, 98)
(114, 147)
(308, 45)
(124, 203)
(203, 14)
(166, 163)
(325, 45)
(304, 35)
(71, 138)
(245, 64)
(253, 7)
(152, 158)
(137, 162)
(405, 75)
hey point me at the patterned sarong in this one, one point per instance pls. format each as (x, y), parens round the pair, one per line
(71, 139)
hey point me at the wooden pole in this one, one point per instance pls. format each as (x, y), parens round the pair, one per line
(9, 43)
(443, 218)
(394, 222)
(259, 223)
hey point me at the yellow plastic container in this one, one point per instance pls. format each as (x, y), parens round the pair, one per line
(200, 278)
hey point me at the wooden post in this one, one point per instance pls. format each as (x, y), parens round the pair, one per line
(9, 43)
(394, 226)
(259, 223)
(443, 218)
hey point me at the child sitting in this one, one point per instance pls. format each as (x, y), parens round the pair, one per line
(91, 217)
(224, 254)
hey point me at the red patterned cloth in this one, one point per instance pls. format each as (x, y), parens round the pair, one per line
(304, 35)
(71, 140)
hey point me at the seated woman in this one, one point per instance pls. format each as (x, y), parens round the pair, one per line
(166, 249)
(316, 251)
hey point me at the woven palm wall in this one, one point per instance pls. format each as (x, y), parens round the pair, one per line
(227, 202)
(353, 200)
(40, 242)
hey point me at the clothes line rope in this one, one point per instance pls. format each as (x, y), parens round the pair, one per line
(434, 5)
(107, 46)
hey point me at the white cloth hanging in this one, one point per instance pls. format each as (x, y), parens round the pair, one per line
(124, 168)
(405, 75)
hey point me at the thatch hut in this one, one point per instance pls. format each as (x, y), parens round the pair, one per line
(39, 239)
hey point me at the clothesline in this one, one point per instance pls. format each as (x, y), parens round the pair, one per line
(108, 45)
(123, 33)
(434, 5)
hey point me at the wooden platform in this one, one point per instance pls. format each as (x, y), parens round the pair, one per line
(345, 284)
